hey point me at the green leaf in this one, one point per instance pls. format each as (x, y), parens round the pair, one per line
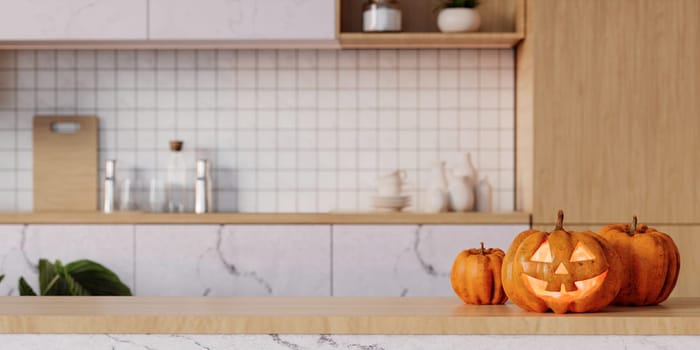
(51, 284)
(94, 279)
(50, 278)
(82, 277)
(25, 289)
(440, 4)
(73, 288)
(46, 274)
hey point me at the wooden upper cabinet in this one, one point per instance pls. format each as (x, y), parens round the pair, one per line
(616, 110)
(242, 20)
(73, 20)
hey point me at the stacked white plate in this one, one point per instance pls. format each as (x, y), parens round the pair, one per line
(390, 203)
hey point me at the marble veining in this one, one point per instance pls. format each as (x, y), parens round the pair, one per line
(242, 19)
(23, 246)
(231, 268)
(74, 19)
(255, 260)
(406, 260)
(327, 342)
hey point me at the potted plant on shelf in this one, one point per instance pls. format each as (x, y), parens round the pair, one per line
(82, 277)
(457, 16)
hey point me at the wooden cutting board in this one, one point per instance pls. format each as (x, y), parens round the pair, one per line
(65, 163)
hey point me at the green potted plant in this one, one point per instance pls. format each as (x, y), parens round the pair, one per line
(79, 278)
(458, 16)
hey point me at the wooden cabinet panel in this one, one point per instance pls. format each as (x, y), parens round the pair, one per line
(616, 110)
(73, 20)
(686, 237)
(244, 19)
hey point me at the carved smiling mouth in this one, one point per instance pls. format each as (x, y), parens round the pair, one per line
(583, 288)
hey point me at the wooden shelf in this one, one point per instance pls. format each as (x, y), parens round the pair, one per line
(502, 26)
(126, 218)
(328, 315)
(428, 40)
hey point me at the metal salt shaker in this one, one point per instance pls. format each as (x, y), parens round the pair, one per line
(110, 170)
(202, 188)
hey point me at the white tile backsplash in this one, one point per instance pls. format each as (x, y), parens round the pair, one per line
(309, 129)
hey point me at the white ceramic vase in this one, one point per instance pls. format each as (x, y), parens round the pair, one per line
(458, 20)
(484, 196)
(461, 192)
(436, 194)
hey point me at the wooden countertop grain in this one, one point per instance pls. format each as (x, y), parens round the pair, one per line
(328, 315)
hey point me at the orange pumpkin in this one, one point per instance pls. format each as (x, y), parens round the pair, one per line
(476, 276)
(651, 261)
(564, 271)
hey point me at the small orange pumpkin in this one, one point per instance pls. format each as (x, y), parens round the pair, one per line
(562, 270)
(476, 276)
(651, 261)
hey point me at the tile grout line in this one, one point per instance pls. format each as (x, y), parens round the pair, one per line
(16, 145)
(133, 257)
(215, 192)
(336, 200)
(332, 265)
(317, 132)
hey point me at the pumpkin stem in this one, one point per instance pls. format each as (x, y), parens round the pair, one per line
(483, 252)
(560, 221)
(633, 227)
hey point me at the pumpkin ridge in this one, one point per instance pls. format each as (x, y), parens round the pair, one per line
(497, 286)
(672, 269)
(659, 269)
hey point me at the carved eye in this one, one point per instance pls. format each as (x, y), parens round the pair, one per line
(581, 253)
(543, 254)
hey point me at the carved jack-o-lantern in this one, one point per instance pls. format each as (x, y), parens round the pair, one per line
(562, 271)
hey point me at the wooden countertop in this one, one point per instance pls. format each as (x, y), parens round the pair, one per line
(332, 315)
(126, 218)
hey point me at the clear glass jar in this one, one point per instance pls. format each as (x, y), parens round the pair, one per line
(176, 179)
(381, 16)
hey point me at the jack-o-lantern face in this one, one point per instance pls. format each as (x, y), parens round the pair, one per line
(563, 271)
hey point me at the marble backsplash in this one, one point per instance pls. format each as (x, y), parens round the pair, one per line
(255, 260)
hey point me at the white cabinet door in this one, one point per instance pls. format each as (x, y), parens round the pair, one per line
(73, 19)
(242, 19)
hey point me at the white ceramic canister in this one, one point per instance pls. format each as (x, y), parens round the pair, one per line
(381, 16)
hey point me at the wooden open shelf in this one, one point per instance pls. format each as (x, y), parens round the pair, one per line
(329, 315)
(428, 40)
(503, 26)
(126, 218)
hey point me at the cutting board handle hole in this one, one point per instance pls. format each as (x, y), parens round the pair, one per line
(65, 127)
